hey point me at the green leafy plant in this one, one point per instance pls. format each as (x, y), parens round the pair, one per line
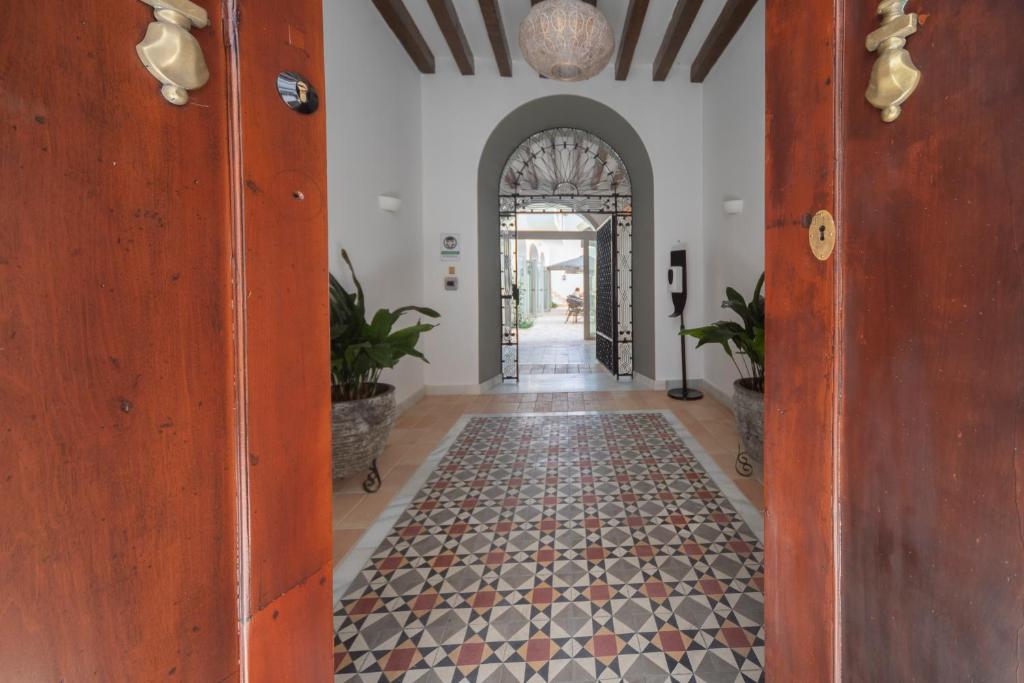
(524, 323)
(361, 350)
(743, 343)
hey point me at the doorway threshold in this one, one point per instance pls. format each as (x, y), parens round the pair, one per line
(573, 383)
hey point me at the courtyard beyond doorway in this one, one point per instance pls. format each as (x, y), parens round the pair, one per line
(554, 345)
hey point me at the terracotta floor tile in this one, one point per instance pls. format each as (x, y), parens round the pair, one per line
(344, 539)
(753, 490)
(367, 510)
(344, 503)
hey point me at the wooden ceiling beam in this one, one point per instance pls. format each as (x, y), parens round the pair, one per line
(678, 28)
(729, 22)
(451, 29)
(635, 14)
(496, 34)
(404, 28)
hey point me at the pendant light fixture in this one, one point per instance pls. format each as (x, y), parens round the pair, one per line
(566, 40)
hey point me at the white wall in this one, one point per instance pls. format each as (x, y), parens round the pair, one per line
(373, 148)
(733, 168)
(459, 114)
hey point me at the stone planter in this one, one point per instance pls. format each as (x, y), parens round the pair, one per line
(749, 407)
(359, 432)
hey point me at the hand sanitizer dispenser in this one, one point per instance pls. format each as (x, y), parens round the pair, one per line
(677, 286)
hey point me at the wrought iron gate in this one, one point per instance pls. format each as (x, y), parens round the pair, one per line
(605, 298)
(615, 295)
(509, 298)
(570, 171)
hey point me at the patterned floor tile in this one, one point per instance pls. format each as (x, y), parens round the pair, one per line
(560, 548)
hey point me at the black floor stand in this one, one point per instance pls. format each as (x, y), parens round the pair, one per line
(684, 393)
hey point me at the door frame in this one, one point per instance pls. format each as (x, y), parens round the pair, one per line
(618, 213)
(803, 305)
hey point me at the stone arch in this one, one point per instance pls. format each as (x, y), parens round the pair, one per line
(564, 111)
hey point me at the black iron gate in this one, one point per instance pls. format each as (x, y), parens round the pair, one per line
(615, 296)
(570, 171)
(605, 308)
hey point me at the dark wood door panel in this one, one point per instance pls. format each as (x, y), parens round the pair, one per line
(287, 403)
(117, 463)
(163, 361)
(932, 416)
(800, 299)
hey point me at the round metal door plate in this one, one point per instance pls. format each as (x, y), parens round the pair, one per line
(822, 235)
(298, 93)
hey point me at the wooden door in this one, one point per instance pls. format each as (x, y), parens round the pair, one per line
(895, 398)
(164, 466)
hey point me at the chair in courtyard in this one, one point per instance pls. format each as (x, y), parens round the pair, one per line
(574, 308)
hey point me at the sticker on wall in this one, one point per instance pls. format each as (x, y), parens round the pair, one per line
(451, 246)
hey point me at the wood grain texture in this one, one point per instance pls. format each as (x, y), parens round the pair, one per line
(678, 28)
(285, 644)
(800, 395)
(634, 24)
(451, 29)
(728, 23)
(496, 35)
(117, 458)
(286, 337)
(932, 421)
(404, 27)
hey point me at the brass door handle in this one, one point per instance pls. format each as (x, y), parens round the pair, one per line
(170, 52)
(894, 76)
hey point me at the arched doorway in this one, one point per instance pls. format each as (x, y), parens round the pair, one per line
(571, 171)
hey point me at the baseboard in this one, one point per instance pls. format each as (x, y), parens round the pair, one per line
(691, 382)
(646, 382)
(411, 400)
(719, 395)
(703, 385)
(463, 389)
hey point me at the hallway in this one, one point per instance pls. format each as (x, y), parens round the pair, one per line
(543, 541)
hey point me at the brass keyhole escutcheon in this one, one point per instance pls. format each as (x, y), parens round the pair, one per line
(822, 235)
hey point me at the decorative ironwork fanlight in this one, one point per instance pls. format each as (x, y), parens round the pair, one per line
(565, 162)
(566, 40)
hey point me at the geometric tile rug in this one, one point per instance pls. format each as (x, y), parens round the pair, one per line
(561, 548)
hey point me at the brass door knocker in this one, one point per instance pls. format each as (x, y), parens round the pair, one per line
(894, 76)
(169, 50)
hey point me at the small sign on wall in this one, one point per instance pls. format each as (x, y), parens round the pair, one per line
(451, 246)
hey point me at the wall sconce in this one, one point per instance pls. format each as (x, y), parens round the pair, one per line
(733, 206)
(388, 203)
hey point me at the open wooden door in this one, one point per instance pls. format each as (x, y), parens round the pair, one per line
(164, 405)
(895, 397)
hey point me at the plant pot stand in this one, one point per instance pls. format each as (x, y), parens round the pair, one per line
(744, 466)
(748, 405)
(359, 433)
(373, 479)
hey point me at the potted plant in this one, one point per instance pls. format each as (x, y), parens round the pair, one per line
(363, 409)
(743, 342)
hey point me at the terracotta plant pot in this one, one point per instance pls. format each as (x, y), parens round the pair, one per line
(749, 407)
(359, 432)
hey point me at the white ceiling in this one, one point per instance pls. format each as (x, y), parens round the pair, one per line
(513, 12)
